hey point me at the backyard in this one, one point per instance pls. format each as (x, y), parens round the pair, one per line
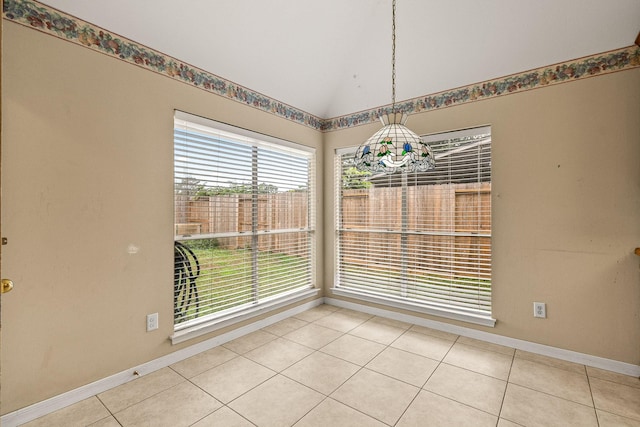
(226, 279)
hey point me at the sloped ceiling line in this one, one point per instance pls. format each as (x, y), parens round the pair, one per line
(51, 21)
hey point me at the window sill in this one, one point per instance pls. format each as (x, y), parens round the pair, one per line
(224, 321)
(453, 314)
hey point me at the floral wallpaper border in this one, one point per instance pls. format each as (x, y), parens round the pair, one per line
(608, 62)
(56, 23)
(51, 21)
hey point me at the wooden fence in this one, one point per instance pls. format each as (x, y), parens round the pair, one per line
(233, 213)
(446, 208)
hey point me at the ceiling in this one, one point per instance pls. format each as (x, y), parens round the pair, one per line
(333, 57)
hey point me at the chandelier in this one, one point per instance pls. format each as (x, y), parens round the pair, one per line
(394, 148)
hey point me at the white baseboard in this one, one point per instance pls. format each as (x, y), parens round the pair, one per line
(63, 400)
(545, 350)
(45, 407)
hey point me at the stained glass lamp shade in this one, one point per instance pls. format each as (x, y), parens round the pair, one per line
(394, 148)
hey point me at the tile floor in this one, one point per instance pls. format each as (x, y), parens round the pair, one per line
(336, 367)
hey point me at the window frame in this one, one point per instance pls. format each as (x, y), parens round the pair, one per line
(234, 314)
(369, 292)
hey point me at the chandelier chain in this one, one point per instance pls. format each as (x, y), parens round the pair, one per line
(394, 148)
(393, 57)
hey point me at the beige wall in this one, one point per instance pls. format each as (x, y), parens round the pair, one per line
(88, 171)
(566, 210)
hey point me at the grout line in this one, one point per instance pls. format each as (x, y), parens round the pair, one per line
(593, 401)
(461, 403)
(146, 398)
(113, 415)
(420, 390)
(507, 382)
(209, 394)
(551, 395)
(314, 407)
(360, 368)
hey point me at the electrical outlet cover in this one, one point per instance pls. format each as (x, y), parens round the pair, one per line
(539, 309)
(152, 322)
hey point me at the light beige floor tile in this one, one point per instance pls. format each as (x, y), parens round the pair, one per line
(285, 326)
(424, 345)
(509, 351)
(434, 332)
(106, 422)
(250, 341)
(478, 360)
(314, 336)
(353, 349)
(547, 379)
(329, 307)
(404, 366)
(331, 413)
(506, 423)
(340, 321)
(79, 414)
(606, 419)
(616, 398)
(533, 408)
(181, 405)
(473, 389)
(279, 354)
(551, 361)
(391, 322)
(277, 402)
(316, 313)
(321, 372)
(613, 377)
(355, 313)
(223, 417)
(233, 378)
(376, 395)
(431, 410)
(374, 330)
(204, 361)
(135, 391)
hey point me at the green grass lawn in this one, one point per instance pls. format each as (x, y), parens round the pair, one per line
(226, 279)
(418, 285)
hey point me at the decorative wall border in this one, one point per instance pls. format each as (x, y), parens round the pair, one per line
(46, 19)
(604, 63)
(67, 27)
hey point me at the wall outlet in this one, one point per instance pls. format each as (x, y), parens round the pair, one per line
(152, 322)
(539, 309)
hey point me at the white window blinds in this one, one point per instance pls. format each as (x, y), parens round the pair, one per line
(420, 239)
(244, 219)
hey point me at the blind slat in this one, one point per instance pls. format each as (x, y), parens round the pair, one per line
(244, 217)
(432, 248)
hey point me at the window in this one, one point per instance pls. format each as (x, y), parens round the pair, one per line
(421, 240)
(244, 220)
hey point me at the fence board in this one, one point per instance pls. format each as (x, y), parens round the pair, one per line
(441, 208)
(446, 208)
(233, 213)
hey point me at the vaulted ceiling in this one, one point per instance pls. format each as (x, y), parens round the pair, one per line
(333, 57)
